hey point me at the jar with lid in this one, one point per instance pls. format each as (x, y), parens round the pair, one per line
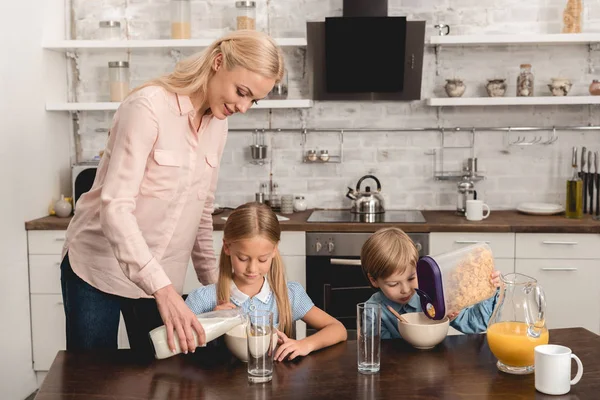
(299, 204)
(275, 200)
(109, 30)
(181, 26)
(118, 72)
(280, 90)
(324, 155)
(245, 14)
(311, 155)
(525, 81)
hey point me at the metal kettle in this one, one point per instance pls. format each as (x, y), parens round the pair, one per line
(366, 202)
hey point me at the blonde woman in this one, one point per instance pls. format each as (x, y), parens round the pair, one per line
(251, 276)
(129, 244)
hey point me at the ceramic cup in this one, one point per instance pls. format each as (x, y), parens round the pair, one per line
(475, 210)
(553, 369)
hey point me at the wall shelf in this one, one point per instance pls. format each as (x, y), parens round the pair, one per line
(513, 101)
(74, 45)
(112, 106)
(523, 39)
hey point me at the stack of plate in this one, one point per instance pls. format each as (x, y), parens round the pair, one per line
(540, 208)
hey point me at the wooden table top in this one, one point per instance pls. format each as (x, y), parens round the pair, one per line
(436, 221)
(462, 367)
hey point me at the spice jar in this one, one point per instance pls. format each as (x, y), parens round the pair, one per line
(118, 73)
(311, 155)
(109, 30)
(324, 155)
(595, 88)
(246, 14)
(280, 90)
(181, 26)
(525, 81)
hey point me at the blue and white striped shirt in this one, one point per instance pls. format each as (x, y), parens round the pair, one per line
(204, 299)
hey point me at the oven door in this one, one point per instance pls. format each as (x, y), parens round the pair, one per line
(337, 285)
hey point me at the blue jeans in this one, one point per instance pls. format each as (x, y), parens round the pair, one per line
(92, 316)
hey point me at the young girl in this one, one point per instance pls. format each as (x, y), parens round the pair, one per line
(251, 276)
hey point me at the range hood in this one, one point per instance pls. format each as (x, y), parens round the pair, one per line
(365, 55)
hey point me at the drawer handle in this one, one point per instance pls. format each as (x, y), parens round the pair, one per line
(60, 239)
(559, 269)
(559, 243)
(340, 261)
(60, 303)
(471, 241)
(57, 264)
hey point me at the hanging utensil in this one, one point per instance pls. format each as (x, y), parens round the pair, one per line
(584, 178)
(591, 182)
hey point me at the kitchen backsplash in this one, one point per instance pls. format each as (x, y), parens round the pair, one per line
(400, 160)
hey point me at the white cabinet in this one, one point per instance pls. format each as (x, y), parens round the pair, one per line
(571, 288)
(565, 246)
(502, 244)
(47, 329)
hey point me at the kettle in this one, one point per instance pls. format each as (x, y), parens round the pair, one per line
(366, 202)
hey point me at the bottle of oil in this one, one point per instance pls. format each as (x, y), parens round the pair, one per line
(574, 206)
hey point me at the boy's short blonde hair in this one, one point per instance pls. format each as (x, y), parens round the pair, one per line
(386, 252)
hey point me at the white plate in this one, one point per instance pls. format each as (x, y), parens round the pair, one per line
(540, 208)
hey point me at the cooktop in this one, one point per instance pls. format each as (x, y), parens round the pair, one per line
(390, 216)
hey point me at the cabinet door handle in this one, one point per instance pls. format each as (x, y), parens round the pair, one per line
(60, 303)
(559, 243)
(471, 241)
(60, 239)
(341, 261)
(559, 269)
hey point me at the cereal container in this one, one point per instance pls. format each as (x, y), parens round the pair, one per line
(453, 281)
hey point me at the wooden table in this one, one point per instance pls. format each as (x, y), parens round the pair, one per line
(462, 367)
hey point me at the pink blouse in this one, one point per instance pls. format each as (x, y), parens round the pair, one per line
(151, 203)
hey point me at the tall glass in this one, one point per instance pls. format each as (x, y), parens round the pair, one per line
(368, 329)
(260, 346)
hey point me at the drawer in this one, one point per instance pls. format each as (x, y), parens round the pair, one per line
(47, 329)
(556, 245)
(293, 244)
(559, 279)
(46, 242)
(505, 265)
(502, 244)
(44, 274)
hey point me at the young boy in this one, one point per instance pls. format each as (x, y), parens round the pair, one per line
(389, 260)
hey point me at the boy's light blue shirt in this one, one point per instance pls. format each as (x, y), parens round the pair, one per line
(473, 319)
(204, 299)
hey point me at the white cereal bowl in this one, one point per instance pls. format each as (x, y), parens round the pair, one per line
(236, 342)
(422, 332)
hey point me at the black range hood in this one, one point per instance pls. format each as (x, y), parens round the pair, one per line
(365, 55)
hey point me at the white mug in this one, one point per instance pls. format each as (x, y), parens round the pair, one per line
(553, 369)
(475, 210)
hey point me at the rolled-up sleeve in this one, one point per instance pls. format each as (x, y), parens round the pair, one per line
(203, 253)
(134, 136)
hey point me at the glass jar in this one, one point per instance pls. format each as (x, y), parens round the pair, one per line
(525, 81)
(118, 73)
(280, 90)
(181, 26)
(245, 14)
(109, 30)
(300, 204)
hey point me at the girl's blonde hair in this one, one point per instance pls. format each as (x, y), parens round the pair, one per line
(386, 252)
(249, 49)
(246, 222)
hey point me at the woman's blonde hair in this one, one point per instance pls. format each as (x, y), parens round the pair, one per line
(249, 49)
(246, 222)
(386, 252)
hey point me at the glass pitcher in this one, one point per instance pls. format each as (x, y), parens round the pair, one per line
(517, 324)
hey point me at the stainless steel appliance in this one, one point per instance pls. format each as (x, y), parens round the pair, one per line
(366, 202)
(334, 279)
(345, 216)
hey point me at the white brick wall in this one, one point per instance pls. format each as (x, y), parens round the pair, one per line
(534, 173)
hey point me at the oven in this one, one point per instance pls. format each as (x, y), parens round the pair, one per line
(334, 279)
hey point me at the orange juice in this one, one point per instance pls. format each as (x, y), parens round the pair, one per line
(511, 345)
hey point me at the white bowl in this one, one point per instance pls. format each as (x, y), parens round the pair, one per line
(237, 343)
(422, 332)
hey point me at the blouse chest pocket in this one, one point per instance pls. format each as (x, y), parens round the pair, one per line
(161, 179)
(210, 164)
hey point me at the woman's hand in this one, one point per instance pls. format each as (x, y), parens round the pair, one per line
(225, 306)
(290, 348)
(179, 318)
(495, 279)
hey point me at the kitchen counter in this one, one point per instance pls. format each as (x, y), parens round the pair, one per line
(436, 221)
(461, 366)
